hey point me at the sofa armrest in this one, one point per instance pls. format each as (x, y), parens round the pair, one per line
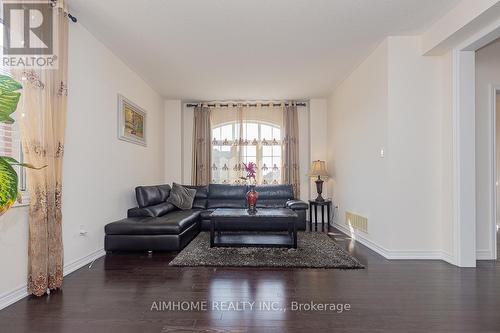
(140, 212)
(297, 205)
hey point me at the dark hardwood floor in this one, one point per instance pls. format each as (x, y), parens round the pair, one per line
(116, 295)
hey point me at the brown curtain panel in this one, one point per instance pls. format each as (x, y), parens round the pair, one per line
(43, 122)
(202, 147)
(290, 146)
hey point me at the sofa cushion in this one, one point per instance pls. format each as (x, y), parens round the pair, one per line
(199, 203)
(173, 223)
(181, 197)
(200, 199)
(201, 191)
(223, 191)
(151, 195)
(274, 192)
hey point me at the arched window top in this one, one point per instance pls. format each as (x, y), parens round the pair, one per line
(250, 131)
(236, 143)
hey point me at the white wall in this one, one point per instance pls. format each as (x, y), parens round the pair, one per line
(318, 145)
(13, 254)
(100, 171)
(414, 146)
(99, 183)
(392, 101)
(357, 122)
(173, 147)
(447, 214)
(487, 74)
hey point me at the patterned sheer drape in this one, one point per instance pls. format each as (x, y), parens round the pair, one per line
(43, 122)
(291, 171)
(202, 146)
(228, 147)
(243, 133)
(264, 133)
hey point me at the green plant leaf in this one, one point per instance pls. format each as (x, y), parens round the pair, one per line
(13, 161)
(9, 84)
(9, 160)
(9, 98)
(8, 186)
(8, 105)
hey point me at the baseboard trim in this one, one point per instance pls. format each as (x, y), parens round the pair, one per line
(13, 296)
(363, 240)
(391, 254)
(449, 258)
(79, 263)
(485, 255)
(21, 292)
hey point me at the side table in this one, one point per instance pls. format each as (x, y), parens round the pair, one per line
(315, 204)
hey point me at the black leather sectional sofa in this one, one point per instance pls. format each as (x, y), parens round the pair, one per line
(157, 225)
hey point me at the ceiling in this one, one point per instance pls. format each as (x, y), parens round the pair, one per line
(250, 49)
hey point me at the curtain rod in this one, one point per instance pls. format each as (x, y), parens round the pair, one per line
(212, 105)
(72, 18)
(53, 3)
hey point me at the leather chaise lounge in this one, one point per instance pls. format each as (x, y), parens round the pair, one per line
(157, 225)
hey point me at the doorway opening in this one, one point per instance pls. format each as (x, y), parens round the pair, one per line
(474, 234)
(496, 109)
(487, 149)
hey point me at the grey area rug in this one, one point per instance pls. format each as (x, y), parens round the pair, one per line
(315, 250)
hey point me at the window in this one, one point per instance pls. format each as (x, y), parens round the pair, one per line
(259, 143)
(10, 146)
(10, 138)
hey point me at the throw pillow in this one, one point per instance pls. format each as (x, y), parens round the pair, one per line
(181, 197)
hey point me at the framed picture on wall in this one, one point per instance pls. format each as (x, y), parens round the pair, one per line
(131, 122)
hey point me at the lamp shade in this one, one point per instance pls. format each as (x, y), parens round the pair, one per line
(318, 168)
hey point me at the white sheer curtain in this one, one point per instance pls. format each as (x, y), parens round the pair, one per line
(243, 133)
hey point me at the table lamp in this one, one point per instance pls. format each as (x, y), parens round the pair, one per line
(318, 169)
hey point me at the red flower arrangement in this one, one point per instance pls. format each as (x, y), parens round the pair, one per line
(251, 170)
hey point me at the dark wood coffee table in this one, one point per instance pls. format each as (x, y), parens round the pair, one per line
(232, 227)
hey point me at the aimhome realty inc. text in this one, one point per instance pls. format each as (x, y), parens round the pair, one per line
(206, 305)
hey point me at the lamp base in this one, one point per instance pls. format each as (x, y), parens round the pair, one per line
(319, 189)
(319, 199)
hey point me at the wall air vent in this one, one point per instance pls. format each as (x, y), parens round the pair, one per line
(356, 222)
